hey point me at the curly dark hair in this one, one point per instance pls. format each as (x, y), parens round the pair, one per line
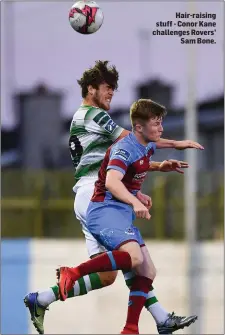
(99, 74)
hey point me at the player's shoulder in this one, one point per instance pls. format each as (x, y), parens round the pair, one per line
(79, 113)
(124, 149)
(124, 143)
(86, 112)
(95, 113)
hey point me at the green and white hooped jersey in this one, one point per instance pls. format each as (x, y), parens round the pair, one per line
(92, 131)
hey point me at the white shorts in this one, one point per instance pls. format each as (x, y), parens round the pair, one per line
(81, 202)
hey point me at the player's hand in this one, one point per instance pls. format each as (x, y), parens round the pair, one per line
(144, 199)
(173, 165)
(141, 211)
(187, 144)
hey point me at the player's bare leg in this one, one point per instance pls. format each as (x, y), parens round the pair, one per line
(68, 276)
(129, 256)
(38, 302)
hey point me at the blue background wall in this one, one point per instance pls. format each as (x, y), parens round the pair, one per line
(15, 260)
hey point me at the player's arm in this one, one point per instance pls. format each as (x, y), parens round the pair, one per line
(167, 144)
(99, 121)
(116, 187)
(144, 199)
(170, 144)
(179, 145)
(119, 161)
(164, 143)
(168, 166)
(119, 191)
(154, 166)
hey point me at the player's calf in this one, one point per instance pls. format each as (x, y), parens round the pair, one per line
(107, 278)
(138, 294)
(109, 261)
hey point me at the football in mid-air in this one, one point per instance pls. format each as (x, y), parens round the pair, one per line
(86, 17)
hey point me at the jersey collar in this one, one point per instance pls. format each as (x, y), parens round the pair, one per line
(89, 106)
(144, 148)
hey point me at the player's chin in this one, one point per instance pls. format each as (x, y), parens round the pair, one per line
(106, 106)
(154, 139)
(157, 138)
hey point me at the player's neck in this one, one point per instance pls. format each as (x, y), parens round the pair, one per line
(89, 102)
(140, 139)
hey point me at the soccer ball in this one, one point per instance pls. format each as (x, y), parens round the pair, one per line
(86, 17)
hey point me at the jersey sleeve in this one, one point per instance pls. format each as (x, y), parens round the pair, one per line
(119, 159)
(98, 121)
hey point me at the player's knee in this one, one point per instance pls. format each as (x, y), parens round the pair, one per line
(137, 260)
(107, 278)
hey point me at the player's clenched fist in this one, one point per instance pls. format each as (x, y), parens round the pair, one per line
(141, 211)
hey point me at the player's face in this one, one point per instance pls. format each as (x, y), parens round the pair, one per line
(102, 96)
(152, 130)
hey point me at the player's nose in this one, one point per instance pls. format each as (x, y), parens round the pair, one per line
(161, 128)
(111, 92)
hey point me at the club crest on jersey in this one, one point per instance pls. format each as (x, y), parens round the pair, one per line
(110, 126)
(141, 162)
(123, 153)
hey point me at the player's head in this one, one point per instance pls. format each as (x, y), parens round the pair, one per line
(146, 119)
(99, 83)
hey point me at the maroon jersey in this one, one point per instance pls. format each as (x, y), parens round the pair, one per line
(129, 157)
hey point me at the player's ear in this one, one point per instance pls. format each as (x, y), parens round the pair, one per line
(138, 127)
(91, 90)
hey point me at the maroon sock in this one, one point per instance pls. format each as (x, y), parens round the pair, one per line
(109, 261)
(138, 294)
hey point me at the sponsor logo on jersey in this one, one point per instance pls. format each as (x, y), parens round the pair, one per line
(122, 153)
(129, 231)
(140, 175)
(110, 126)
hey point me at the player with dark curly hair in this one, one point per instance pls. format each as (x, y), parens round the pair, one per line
(92, 132)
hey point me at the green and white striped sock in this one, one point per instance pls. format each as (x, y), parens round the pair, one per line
(151, 304)
(85, 284)
(82, 286)
(155, 308)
